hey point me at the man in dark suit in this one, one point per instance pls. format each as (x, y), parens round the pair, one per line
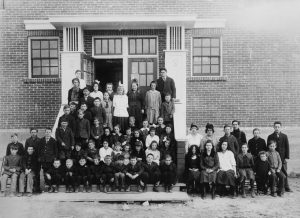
(86, 98)
(151, 174)
(165, 84)
(283, 149)
(238, 134)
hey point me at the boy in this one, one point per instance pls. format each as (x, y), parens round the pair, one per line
(105, 150)
(12, 167)
(161, 127)
(145, 129)
(73, 111)
(87, 114)
(110, 91)
(283, 148)
(54, 176)
(245, 165)
(70, 176)
(67, 116)
(96, 172)
(127, 136)
(65, 140)
(77, 153)
(233, 144)
(256, 144)
(97, 132)
(120, 169)
(151, 173)
(152, 103)
(262, 171)
(167, 109)
(29, 170)
(237, 133)
(139, 152)
(168, 173)
(133, 173)
(14, 142)
(99, 112)
(86, 98)
(82, 130)
(117, 151)
(167, 149)
(132, 124)
(151, 137)
(91, 152)
(277, 176)
(107, 173)
(84, 175)
(126, 152)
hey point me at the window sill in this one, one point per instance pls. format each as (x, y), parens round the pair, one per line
(41, 80)
(207, 78)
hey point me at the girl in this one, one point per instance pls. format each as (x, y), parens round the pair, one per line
(227, 173)
(96, 93)
(167, 149)
(136, 103)
(152, 103)
(105, 150)
(193, 138)
(107, 105)
(107, 136)
(109, 89)
(117, 136)
(192, 167)
(97, 132)
(75, 93)
(117, 151)
(126, 153)
(209, 165)
(153, 150)
(136, 137)
(209, 130)
(151, 137)
(161, 127)
(145, 129)
(120, 106)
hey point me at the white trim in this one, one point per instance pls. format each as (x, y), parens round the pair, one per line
(38, 25)
(29, 54)
(210, 23)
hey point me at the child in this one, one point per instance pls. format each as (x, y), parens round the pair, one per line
(70, 176)
(238, 134)
(245, 165)
(75, 93)
(145, 129)
(84, 175)
(120, 169)
(12, 166)
(167, 150)
(151, 173)
(96, 172)
(96, 93)
(107, 136)
(132, 124)
(54, 176)
(83, 131)
(133, 173)
(168, 173)
(139, 152)
(110, 91)
(107, 105)
(97, 132)
(256, 144)
(15, 142)
(151, 137)
(192, 168)
(231, 141)
(126, 151)
(117, 135)
(91, 152)
(99, 112)
(167, 109)
(73, 111)
(127, 136)
(105, 151)
(262, 171)
(87, 114)
(107, 173)
(29, 171)
(136, 137)
(152, 103)
(117, 151)
(169, 134)
(277, 177)
(81, 81)
(136, 103)
(77, 153)
(152, 149)
(65, 140)
(67, 116)
(120, 109)
(86, 98)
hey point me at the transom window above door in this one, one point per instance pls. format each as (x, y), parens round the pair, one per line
(108, 46)
(142, 46)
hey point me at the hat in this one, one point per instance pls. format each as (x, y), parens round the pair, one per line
(194, 125)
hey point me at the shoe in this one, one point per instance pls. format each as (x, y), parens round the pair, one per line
(67, 189)
(12, 195)
(252, 193)
(128, 189)
(51, 189)
(98, 188)
(288, 190)
(105, 189)
(170, 189)
(213, 192)
(140, 188)
(76, 190)
(29, 194)
(20, 194)
(89, 189)
(55, 189)
(155, 188)
(243, 194)
(273, 194)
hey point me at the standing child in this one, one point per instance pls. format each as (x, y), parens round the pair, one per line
(15, 142)
(87, 114)
(120, 108)
(70, 176)
(96, 172)
(97, 132)
(262, 171)
(86, 98)
(167, 109)
(108, 107)
(256, 144)
(245, 165)
(107, 173)
(96, 93)
(238, 134)
(99, 112)
(84, 175)
(73, 111)
(152, 103)
(105, 151)
(136, 103)
(152, 149)
(168, 173)
(91, 152)
(232, 143)
(67, 116)
(83, 131)
(12, 166)
(160, 128)
(151, 137)
(133, 174)
(110, 91)
(54, 176)
(120, 169)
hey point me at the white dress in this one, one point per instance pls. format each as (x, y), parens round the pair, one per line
(120, 104)
(97, 94)
(193, 140)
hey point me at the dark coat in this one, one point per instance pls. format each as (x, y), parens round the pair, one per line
(283, 146)
(166, 87)
(166, 110)
(233, 144)
(168, 151)
(76, 155)
(20, 146)
(89, 101)
(82, 128)
(83, 171)
(65, 136)
(119, 168)
(209, 162)
(56, 171)
(152, 168)
(30, 162)
(168, 168)
(88, 115)
(257, 145)
(99, 112)
(240, 137)
(244, 161)
(136, 169)
(35, 143)
(12, 162)
(140, 155)
(70, 94)
(190, 163)
(96, 170)
(107, 169)
(70, 119)
(70, 171)
(48, 151)
(135, 99)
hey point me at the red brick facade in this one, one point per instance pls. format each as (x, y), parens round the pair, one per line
(260, 81)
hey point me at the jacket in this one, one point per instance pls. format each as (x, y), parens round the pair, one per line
(48, 151)
(20, 146)
(12, 162)
(283, 146)
(82, 128)
(65, 136)
(99, 112)
(167, 86)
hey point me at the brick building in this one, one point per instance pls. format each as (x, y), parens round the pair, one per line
(222, 66)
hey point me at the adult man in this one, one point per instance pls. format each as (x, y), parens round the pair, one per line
(238, 134)
(283, 149)
(165, 84)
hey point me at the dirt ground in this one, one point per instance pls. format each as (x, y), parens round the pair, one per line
(261, 206)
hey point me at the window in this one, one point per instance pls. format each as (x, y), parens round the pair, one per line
(107, 46)
(206, 56)
(142, 46)
(44, 58)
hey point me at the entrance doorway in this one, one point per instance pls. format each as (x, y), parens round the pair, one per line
(109, 71)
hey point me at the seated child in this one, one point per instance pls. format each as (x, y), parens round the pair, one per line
(192, 169)
(151, 173)
(117, 151)
(84, 175)
(29, 171)
(136, 137)
(132, 124)
(126, 152)
(120, 169)
(91, 152)
(133, 173)
(77, 153)
(262, 171)
(54, 176)
(167, 149)
(154, 151)
(245, 165)
(107, 105)
(127, 136)
(105, 150)
(97, 132)
(168, 173)
(139, 152)
(151, 137)
(96, 172)
(82, 130)
(107, 173)
(70, 176)
(107, 136)
(160, 128)
(277, 177)
(12, 166)
(145, 129)
(167, 109)
(117, 135)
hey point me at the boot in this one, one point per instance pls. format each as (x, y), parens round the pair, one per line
(170, 189)
(252, 193)
(67, 189)
(76, 189)
(155, 188)
(105, 189)
(55, 189)
(203, 194)
(51, 189)
(89, 188)
(243, 192)
(140, 188)
(98, 188)
(213, 191)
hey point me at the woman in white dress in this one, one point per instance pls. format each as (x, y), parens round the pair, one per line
(193, 138)
(96, 93)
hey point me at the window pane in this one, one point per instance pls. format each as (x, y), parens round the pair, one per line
(153, 46)
(142, 80)
(215, 69)
(135, 67)
(98, 47)
(205, 60)
(149, 67)
(197, 42)
(111, 46)
(197, 51)
(53, 53)
(54, 62)
(214, 60)
(205, 69)
(54, 70)
(104, 46)
(142, 68)
(145, 46)
(206, 51)
(36, 71)
(215, 42)
(36, 54)
(45, 63)
(44, 44)
(36, 63)
(215, 51)
(35, 44)
(45, 71)
(44, 53)
(135, 76)
(132, 46)
(53, 44)
(197, 68)
(139, 46)
(205, 42)
(118, 46)
(149, 79)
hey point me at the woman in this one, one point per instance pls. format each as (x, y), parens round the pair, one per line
(75, 93)
(120, 109)
(193, 138)
(136, 103)
(192, 167)
(209, 130)
(209, 165)
(227, 173)
(96, 93)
